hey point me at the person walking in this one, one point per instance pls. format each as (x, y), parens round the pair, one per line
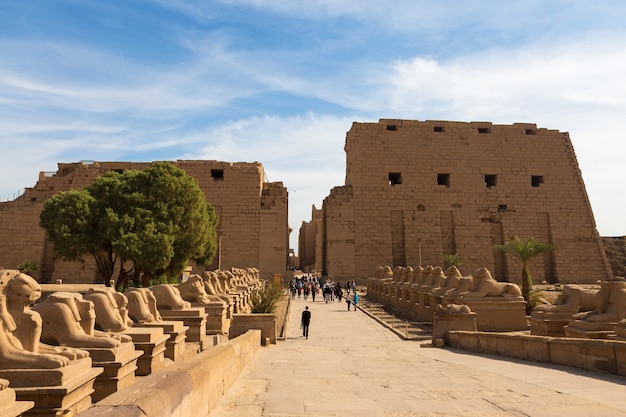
(293, 290)
(306, 320)
(355, 300)
(306, 290)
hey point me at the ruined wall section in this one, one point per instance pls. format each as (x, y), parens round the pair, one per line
(307, 241)
(615, 249)
(274, 229)
(236, 190)
(436, 188)
(338, 250)
(319, 243)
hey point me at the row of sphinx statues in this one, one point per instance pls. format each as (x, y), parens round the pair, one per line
(421, 292)
(417, 291)
(75, 330)
(577, 312)
(68, 320)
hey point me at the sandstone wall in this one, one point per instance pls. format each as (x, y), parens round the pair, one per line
(307, 241)
(435, 188)
(191, 388)
(252, 217)
(615, 248)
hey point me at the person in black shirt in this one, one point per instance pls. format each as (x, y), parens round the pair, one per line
(306, 319)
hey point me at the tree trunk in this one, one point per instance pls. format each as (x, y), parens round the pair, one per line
(145, 279)
(527, 285)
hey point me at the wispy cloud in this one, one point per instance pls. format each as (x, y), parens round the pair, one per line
(281, 82)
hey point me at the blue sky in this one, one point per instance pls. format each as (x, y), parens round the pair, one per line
(280, 82)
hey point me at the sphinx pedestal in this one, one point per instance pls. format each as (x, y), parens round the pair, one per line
(55, 392)
(445, 322)
(9, 407)
(151, 341)
(119, 365)
(413, 300)
(176, 332)
(497, 315)
(424, 310)
(195, 319)
(549, 324)
(217, 317)
(586, 330)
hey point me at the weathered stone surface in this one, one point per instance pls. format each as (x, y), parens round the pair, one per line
(415, 190)
(190, 389)
(9, 407)
(252, 213)
(151, 341)
(241, 323)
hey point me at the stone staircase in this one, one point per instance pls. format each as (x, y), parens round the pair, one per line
(405, 328)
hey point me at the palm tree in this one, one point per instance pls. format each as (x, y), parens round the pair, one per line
(525, 251)
(453, 260)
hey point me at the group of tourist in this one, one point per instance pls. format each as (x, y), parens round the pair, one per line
(310, 285)
(306, 286)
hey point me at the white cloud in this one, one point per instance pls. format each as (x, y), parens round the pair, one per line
(575, 87)
(305, 153)
(64, 101)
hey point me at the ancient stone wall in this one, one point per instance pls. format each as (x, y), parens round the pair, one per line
(252, 217)
(615, 248)
(428, 189)
(307, 241)
(338, 249)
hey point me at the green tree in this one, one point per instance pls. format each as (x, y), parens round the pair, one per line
(525, 251)
(72, 225)
(152, 222)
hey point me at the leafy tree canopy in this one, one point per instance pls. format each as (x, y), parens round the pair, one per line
(154, 220)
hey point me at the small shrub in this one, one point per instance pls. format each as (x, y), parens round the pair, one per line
(452, 260)
(264, 300)
(536, 298)
(27, 267)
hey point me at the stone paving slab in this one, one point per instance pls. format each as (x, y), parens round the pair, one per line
(353, 366)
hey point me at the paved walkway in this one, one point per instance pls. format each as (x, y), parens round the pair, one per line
(351, 366)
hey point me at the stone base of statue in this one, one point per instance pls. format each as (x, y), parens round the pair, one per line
(413, 304)
(445, 322)
(176, 332)
(620, 332)
(55, 392)
(586, 330)
(151, 341)
(435, 300)
(217, 320)
(549, 324)
(9, 407)
(496, 314)
(194, 318)
(119, 364)
(424, 311)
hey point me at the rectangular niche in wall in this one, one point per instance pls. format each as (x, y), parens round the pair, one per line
(217, 174)
(443, 179)
(395, 178)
